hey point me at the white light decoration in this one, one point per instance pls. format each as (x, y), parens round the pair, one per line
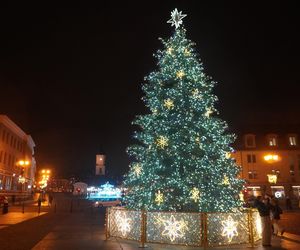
(159, 197)
(195, 194)
(229, 228)
(162, 142)
(176, 18)
(105, 191)
(137, 169)
(123, 223)
(173, 228)
(208, 112)
(196, 94)
(278, 194)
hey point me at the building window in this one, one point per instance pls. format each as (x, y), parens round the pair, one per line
(292, 140)
(272, 140)
(251, 158)
(250, 141)
(292, 165)
(252, 174)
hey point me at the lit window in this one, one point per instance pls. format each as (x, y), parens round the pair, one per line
(292, 140)
(272, 140)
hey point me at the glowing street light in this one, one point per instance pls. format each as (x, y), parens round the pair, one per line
(271, 158)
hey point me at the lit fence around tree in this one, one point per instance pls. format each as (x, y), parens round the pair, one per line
(179, 228)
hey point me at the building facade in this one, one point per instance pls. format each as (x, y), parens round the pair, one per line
(17, 163)
(270, 163)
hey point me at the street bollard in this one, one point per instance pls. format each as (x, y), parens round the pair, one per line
(39, 209)
(23, 207)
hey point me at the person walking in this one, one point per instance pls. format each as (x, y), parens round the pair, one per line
(276, 211)
(264, 212)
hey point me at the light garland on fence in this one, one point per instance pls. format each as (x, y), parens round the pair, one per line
(229, 228)
(123, 223)
(173, 228)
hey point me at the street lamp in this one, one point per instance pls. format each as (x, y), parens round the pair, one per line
(22, 179)
(271, 158)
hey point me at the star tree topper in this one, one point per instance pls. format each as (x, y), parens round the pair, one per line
(176, 18)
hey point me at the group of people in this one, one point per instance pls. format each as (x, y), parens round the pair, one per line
(270, 212)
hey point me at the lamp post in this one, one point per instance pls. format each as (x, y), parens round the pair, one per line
(22, 179)
(272, 158)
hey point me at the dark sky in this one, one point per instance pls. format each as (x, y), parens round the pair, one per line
(71, 75)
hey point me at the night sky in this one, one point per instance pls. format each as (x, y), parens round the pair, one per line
(71, 75)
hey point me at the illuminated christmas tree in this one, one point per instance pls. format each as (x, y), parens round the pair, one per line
(182, 161)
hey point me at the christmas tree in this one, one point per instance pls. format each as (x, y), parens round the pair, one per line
(182, 161)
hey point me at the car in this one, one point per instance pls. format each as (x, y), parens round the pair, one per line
(107, 203)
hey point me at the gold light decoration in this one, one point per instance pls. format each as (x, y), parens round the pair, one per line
(170, 50)
(241, 195)
(137, 169)
(187, 52)
(227, 155)
(272, 178)
(162, 142)
(208, 112)
(124, 223)
(197, 140)
(155, 111)
(229, 228)
(173, 228)
(195, 194)
(180, 74)
(168, 103)
(258, 225)
(159, 197)
(226, 181)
